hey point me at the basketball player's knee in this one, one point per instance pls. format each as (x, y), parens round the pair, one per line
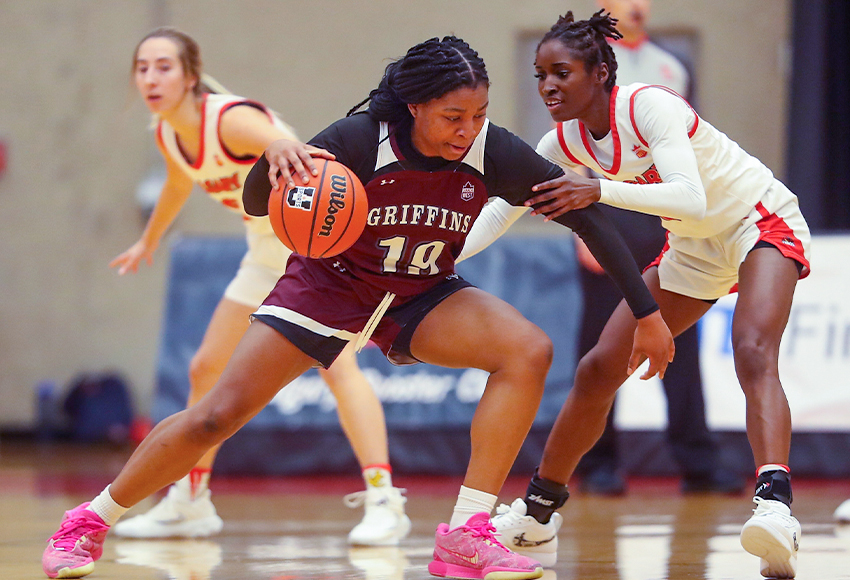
(203, 370)
(536, 351)
(595, 376)
(753, 360)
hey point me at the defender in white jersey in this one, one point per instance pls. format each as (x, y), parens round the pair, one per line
(212, 140)
(731, 225)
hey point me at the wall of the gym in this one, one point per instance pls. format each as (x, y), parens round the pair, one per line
(78, 144)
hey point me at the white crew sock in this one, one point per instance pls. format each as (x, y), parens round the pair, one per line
(470, 502)
(105, 507)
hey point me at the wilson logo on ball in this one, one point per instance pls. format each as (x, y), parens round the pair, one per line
(336, 203)
(321, 218)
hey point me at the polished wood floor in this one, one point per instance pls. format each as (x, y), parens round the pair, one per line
(295, 528)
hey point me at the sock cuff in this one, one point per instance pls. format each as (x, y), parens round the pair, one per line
(377, 475)
(107, 508)
(772, 467)
(384, 466)
(548, 485)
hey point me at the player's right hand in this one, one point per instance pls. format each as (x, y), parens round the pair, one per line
(288, 157)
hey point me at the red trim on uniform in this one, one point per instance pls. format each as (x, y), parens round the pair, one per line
(774, 230)
(227, 107)
(615, 164)
(560, 132)
(200, 160)
(666, 247)
(691, 132)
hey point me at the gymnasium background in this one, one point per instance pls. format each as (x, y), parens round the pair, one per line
(77, 165)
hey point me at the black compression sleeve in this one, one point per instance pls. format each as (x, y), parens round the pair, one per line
(255, 193)
(610, 250)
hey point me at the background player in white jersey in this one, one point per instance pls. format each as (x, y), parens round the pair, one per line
(429, 159)
(690, 441)
(731, 225)
(213, 140)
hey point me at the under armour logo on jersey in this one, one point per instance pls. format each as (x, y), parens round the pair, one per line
(301, 197)
(639, 151)
(338, 266)
(467, 192)
(218, 160)
(387, 181)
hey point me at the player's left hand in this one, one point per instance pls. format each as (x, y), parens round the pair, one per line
(566, 193)
(653, 341)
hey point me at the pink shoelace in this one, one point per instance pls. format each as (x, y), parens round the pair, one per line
(485, 530)
(64, 540)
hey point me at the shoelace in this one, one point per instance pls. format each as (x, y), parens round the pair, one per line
(358, 498)
(65, 540)
(486, 530)
(504, 511)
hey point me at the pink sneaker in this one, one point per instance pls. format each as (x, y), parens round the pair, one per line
(472, 551)
(72, 551)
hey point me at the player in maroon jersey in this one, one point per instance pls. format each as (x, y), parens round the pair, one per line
(429, 159)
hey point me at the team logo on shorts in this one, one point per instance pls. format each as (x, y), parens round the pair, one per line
(467, 192)
(301, 197)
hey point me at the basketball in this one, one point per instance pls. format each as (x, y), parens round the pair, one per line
(321, 218)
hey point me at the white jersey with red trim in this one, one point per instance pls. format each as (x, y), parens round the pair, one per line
(661, 158)
(216, 170)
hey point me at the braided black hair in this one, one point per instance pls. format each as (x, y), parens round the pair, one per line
(428, 71)
(588, 39)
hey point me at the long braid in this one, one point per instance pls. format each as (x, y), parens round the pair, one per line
(428, 71)
(588, 38)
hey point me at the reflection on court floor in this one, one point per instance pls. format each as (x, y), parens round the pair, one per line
(297, 528)
(618, 546)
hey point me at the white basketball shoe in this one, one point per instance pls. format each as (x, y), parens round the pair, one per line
(176, 516)
(773, 535)
(385, 522)
(524, 535)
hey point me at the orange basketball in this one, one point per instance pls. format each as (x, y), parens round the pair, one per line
(321, 218)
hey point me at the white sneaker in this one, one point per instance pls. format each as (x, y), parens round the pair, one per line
(525, 535)
(385, 522)
(176, 516)
(773, 535)
(842, 513)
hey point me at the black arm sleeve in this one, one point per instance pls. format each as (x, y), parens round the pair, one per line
(608, 247)
(255, 193)
(517, 167)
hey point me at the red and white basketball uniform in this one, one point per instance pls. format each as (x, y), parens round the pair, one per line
(646, 62)
(716, 200)
(222, 176)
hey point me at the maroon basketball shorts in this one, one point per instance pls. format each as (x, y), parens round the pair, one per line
(319, 309)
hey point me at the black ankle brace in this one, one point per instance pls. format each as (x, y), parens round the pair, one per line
(543, 497)
(775, 485)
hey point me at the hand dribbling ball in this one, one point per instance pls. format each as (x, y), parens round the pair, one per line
(321, 218)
